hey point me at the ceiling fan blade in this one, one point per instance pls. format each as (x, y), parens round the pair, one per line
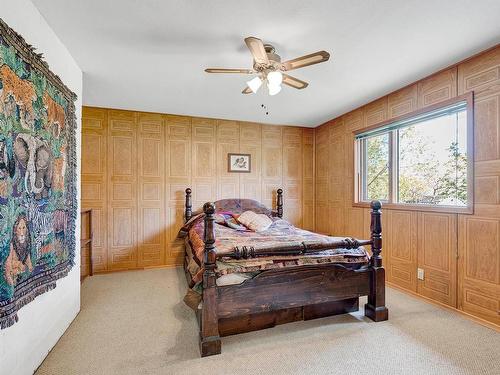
(311, 59)
(247, 90)
(223, 70)
(294, 82)
(257, 49)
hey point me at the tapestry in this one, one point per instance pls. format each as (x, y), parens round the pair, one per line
(37, 176)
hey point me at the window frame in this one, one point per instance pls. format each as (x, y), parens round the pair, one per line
(363, 168)
(359, 155)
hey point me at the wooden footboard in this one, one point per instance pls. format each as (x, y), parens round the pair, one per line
(292, 287)
(284, 295)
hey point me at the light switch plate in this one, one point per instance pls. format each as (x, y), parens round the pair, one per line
(420, 273)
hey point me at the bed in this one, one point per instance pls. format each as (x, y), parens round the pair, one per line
(241, 280)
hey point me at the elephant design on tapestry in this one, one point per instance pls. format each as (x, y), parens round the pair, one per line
(35, 157)
(37, 177)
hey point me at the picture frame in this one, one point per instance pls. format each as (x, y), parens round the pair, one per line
(239, 163)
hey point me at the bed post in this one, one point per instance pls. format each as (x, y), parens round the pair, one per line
(375, 308)
(279, 203)
(210, 343)
(188, 207)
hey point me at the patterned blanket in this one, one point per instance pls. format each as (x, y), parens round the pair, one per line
(280, 232)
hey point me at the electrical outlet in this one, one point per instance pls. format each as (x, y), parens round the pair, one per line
(420, 273)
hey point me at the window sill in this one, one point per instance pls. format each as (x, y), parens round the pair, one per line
(469, 210)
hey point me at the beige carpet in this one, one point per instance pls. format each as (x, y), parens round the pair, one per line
(135, 323)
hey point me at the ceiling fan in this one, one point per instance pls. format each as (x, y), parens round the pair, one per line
(269, 68)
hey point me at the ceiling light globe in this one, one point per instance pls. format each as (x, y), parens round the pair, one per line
(254, 84)
(275, 78)
(273, 89)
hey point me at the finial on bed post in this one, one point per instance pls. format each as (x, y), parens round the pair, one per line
(376, 233)
(279, 203)
(188, 206)
(209, 234)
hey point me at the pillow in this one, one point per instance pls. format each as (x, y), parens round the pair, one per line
(227, 219)
(255, 222)
(233, 223)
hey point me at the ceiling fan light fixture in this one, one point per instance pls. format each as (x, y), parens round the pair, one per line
(275, 78)
(254, 84)
(269, 68)
(273, 89)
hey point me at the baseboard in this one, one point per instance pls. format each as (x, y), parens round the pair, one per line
(114, 271)
(474, 318)
(163, 266)
(136, 269)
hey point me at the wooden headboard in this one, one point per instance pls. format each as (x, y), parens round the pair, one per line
(238, 205)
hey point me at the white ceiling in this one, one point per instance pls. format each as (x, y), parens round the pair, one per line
(150, 55)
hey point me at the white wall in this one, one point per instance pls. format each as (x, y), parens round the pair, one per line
(24, 345)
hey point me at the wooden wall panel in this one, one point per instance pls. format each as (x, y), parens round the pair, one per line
(376, 112)
(427, 240)
(437, 256)
(437, 88)
(403, 101)
(203, 161)
(479, 267)
(94, 179)
(293, 174)
(137, 165)
(354, 120)
(228, 141)
(178, 152)
(122, 190)
(479, 234)
(250, 142)
(336, 178)
(152, 230)
(308, 179)
(322, 154)
(272, 163)
(353, 216)
(401, 248)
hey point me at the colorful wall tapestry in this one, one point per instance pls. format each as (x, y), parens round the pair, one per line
(37, 176)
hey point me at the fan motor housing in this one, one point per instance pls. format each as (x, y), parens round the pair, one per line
(271, 53)
(274, 60)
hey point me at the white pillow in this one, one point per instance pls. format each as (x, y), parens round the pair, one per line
(255, 222)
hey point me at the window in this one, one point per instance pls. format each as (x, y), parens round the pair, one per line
(424, 159)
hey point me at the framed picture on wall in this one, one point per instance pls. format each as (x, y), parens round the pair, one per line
(239, 163)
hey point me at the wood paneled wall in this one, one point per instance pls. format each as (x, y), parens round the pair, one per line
(136, 166)
(460, 254)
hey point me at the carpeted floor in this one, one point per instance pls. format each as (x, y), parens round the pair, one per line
(136, 323)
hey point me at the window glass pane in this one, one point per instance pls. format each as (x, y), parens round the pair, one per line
(376, 181)
(433, 161)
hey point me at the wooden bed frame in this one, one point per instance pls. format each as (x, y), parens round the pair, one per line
(285, 295)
